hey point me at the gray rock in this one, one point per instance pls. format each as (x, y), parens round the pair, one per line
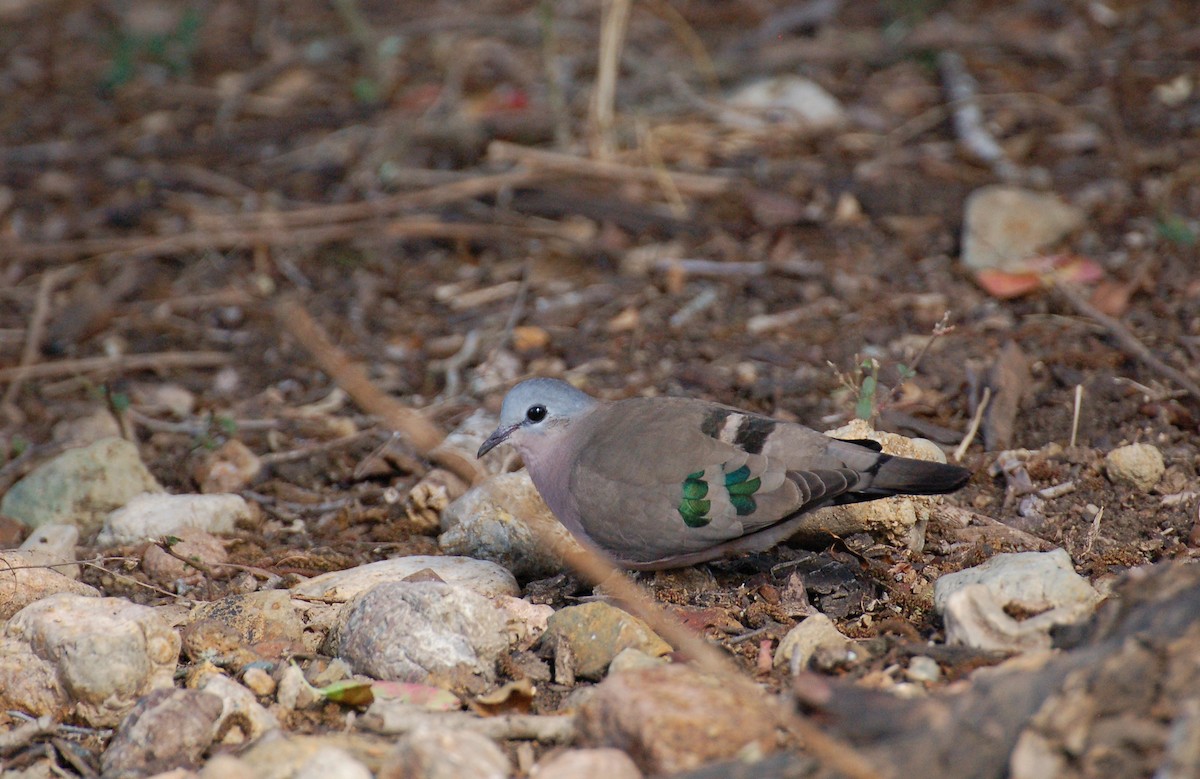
(923, 669)
(290, 757)
(167, 729)
(587, 764)
(975, 602)
(786, 99)
(502, 520)
(674, 718)
(423, 631)
(239, 707)
(1033, 581)
(80, 486)
(443, 753)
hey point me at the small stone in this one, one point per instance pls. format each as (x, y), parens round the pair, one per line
(432, 752)
(167, 729)
(631, 659)
(1136, 465)
(785, 99)
(802, 642)
(154, 516)
(587, 764)
(502, 520)
(243, 718)
(422, 632)
(295, 692)
(242, 629)
(526, 621)
(1004, 226)
(597, 632)
(88, 429)
(192, 544)
(259, 682)
(673, 718)
(80, 486)
(923, 669)
(230, 468)
(292, 757)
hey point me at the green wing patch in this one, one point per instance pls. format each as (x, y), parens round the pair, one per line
(694, 508)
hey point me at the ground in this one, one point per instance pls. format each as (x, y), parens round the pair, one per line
(169, 174)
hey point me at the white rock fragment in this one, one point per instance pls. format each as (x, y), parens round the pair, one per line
(92, 657)
(976, 602)
(80, 486)
(151, 516)
(1135, 465)
(786, 99)
(803, 641)
(501, 520)
(1004, 226)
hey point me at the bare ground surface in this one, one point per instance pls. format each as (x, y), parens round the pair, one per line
(166, 176)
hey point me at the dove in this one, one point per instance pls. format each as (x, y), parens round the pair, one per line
(669, 482)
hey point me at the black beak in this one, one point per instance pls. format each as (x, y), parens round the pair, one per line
(495, 439)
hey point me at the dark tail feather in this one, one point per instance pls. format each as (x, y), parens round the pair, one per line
(893, 475)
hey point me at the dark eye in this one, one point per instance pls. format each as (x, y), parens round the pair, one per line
(536, 413)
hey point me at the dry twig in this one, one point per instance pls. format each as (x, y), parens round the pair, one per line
(694, 184)
(121, 363)
(968, 119)
(1128, 342)
(351, 377)
(36, 330)
(831, 751)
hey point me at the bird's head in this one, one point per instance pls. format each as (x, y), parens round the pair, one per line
(537, 410)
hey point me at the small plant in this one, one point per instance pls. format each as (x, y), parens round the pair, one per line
(863, 381)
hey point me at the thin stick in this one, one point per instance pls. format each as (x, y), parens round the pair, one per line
(119, 363)
(392, 230)
(602, 114)
(36, 331)
(1075, 416)
(423, 434)
(968, 118)
(831, 751)
(1128, 342)
(694, 184)
(961, 451)
(372, 209)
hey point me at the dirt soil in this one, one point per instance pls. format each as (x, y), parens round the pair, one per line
(169, 173)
